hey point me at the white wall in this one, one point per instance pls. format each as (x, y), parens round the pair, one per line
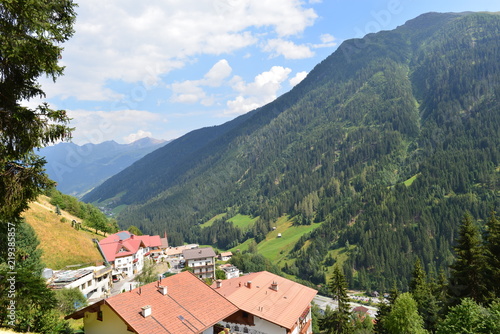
(261, 327)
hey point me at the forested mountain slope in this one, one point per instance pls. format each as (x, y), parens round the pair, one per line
(386, 144)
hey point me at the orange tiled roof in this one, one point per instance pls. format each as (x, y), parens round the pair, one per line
(282, 307)
(184, 309)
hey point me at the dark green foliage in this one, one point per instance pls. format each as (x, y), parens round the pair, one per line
(384, 309)
(134, 230)
(220, 274)
(30, 38)
(469, 317)
(91, 216)
(70, 300)
(148, 273)
(34, 302)
(492, 248)
(249, 263)
(427, 303)
(386, 145)
(404, 317)
(338, 320)
(221, 234)
(467, 276)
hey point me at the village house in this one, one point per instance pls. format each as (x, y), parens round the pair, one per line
(201, 260)
(180, 304)
(267, 303)
(176, 252)
(230, 271)
(257, 303)
(225, 256)
(126, 252)
(93, 282)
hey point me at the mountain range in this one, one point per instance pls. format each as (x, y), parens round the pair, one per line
(384, 146)
(79, 168)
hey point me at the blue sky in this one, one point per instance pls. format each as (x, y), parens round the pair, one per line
(164, 68)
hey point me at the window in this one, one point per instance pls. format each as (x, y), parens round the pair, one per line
(99, 315)
(245, 330)
(244, 314)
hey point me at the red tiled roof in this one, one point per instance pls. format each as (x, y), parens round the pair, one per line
(112, 245)
(150, 240)
(186, 308)
(283, 307)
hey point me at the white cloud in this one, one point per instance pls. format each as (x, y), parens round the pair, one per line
(327, 41)
(99, 126)
(191, 91)
(261, 91)
(287, 49)
(297, 78)
(136, 136)
(136, 41)
(218, 73)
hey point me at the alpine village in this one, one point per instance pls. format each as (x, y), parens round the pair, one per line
(361, 201)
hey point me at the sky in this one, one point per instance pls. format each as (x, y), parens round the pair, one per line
(160, 69)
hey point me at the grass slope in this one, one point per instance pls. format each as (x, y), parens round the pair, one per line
(275, 248)
(62, 245)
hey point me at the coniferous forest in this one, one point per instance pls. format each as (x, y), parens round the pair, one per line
(386, 144)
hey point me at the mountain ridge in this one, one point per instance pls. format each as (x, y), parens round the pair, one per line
(79, 168)
(415, 103)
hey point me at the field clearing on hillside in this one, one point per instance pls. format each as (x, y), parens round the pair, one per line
(212, 220)
(340, 255)
(61, 244)
(243, 221)
(241, 247)
(277, 248)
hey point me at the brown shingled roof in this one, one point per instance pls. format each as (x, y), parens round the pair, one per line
(197, 253)
(282, 307)
(186, 308)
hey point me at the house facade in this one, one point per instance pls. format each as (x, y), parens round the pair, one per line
(125, 252)
(201, 260)
(93, 282)
(267, 303)
(180, 304)
(230, 271)
(225, 256)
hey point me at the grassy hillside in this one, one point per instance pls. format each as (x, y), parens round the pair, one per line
(62, 245)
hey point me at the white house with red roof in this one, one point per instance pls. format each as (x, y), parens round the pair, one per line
(126, 252)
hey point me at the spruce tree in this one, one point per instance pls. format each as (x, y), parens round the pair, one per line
(492, 246)
(427, 303)
(337, 322)
(467, 275)
(384, 309)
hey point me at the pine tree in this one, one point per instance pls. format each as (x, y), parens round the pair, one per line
(492, 245)
(467, 277)
(426, 301)
(337, 322)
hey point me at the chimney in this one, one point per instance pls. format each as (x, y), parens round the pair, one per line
(218, 283)
(146, 311)
(249, 284)
(274, 286)
(163, 290)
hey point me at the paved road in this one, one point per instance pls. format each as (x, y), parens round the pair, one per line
(323, 302)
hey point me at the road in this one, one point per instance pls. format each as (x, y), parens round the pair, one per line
(323, 302)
